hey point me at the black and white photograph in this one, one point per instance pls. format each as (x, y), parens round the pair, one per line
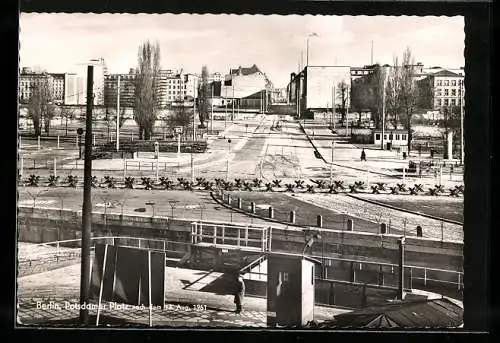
(240, 171)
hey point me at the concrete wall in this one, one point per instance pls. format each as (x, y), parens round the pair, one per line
(44, 225)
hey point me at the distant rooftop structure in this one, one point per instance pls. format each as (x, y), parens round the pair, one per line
(245, 71)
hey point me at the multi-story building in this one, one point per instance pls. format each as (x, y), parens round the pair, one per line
(215, 77)
(76, 84)
(28, 79)
(315, 88)
(177, 87)
(447, 89)
(127, 89)
(247, 87)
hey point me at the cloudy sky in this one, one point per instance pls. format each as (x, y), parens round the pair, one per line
(58, 42)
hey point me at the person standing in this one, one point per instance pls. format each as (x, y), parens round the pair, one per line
(363, 155)
(239, 293)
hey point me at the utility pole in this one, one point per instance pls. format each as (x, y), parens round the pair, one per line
(401, 242)
(194, 110)
(333, 108)
(118, 116)
(232, 115)
(225, 103)
(87, 202)
(383, 109)
(462, 98)
(212, 107)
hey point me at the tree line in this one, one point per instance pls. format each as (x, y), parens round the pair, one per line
(146, 105)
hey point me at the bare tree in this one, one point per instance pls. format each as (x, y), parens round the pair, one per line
(67, 113)
(146, 88)
(392, 93)
(343, 94)
(367, 94)
(408, 92)
(203, 96)
(40, 107)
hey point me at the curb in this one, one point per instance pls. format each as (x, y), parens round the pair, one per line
(374, 202)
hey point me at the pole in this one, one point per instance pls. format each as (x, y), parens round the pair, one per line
(192, 168)
(87, 203)
(21, 166)
(194, 110)
(401, 268)
(178, 146)
(38, 143)
(383, 112)
(331, 164)
(58, 147)
(462, 97)
(55, 167)
(157, 169)
(212, 108)
(118, 115)
(307, 52)
(232, 114)
(149, 290)
(225, 104)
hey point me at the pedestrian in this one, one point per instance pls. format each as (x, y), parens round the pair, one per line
(239, 292)
(363, 155)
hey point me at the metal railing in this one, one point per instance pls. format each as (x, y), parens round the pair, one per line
(425, 274)
(75, 252)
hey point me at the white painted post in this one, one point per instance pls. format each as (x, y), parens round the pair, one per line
(178, 146)
(93, 139)
(157, 169)
(21, 166)
(55, 167)
(58, 147)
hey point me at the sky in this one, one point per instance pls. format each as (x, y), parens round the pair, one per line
(276, 44)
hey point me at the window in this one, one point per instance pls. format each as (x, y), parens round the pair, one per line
(385, 137)
(446, 82)
(390, 137)
(453, 92)
(397, 137)
(453, 82)
(439, 92)
(438, 102)
(445, 92)
(403, 137)
(453, 102)
(377, 136)
(446, 102)
(438, 83)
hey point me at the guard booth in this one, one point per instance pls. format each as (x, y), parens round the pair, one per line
(290, 290)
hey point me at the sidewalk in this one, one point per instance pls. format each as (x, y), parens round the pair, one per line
(387, 164)
(184, 306)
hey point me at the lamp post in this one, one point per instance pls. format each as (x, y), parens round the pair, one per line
(462, 98)
(307, 50)
(331, 164)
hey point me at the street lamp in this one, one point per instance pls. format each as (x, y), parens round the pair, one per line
(331, 164)
(307, 51)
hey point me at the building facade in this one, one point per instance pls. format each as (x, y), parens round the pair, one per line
(177, 87)
(447, 89)
(127, 90)
(29, 79)
(316, 88)
(248, 88)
